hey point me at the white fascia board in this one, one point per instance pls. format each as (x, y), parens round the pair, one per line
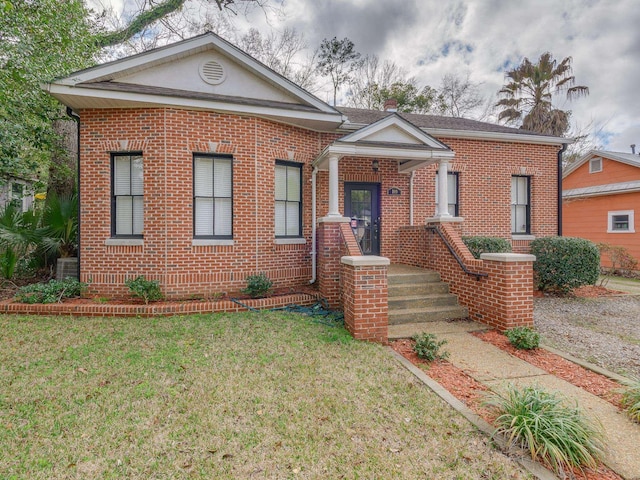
(334, 119)
(569, 194)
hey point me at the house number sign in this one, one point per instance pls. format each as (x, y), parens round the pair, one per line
(394, 191)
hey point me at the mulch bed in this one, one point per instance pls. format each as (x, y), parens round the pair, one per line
(472, 393)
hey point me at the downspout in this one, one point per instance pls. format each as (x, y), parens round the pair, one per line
(314, 253)
(560, 152)
(76, 118)
(411, 198)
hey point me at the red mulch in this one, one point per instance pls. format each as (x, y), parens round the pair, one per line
(471, 392)
(592, 382)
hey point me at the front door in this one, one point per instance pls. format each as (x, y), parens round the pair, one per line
(362, 205)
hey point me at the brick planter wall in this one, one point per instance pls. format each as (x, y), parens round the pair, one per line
(365, 297)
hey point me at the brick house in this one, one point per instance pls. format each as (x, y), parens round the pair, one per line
(200, 166)
(600, 193)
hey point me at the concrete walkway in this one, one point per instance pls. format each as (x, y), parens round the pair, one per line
(497, 369)
(628, 285)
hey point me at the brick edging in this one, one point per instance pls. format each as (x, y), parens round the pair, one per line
(186, 308)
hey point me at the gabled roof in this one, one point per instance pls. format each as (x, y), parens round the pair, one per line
(627, 158)
(205, 72)
(450, 126)
(390, 137)
(597, 190)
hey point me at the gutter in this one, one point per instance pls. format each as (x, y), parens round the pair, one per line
(76, 118)
(559, 186)
(314, 252)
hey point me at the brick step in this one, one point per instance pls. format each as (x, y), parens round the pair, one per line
(426, 314)
(424, 300)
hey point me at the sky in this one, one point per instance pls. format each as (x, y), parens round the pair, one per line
(484, 38)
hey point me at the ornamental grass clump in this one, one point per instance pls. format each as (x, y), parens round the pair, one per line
(428, 348)
(523, 338)
(631, 400)
(552, 432)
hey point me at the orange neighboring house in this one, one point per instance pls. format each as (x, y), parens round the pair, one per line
(600, 194)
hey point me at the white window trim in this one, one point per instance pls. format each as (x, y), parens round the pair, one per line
(290, 241)
(621, 212)
(591, 162)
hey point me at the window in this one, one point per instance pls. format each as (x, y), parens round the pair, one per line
(288, 199)
(127, 198)
(595, 165)
(212, 196)
(452, 193)
(520, 205)
(621, 222)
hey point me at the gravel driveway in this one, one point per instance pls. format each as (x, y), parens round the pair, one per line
(604, 331)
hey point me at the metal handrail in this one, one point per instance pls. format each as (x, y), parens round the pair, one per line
(478, 275)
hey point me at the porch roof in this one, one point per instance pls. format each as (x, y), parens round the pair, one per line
(390, 137)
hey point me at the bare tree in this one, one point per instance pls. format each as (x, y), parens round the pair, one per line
(461, 97)
(369, 77)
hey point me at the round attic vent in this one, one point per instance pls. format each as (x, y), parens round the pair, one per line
(212, 72)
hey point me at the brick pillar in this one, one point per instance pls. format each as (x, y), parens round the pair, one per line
(364, 297)
(508, 290)
(330, 247)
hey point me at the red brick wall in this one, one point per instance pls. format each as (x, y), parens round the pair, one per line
(503, 299)
(168, 137)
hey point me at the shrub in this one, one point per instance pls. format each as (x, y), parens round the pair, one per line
(631, 400)
(479, 245)
(539, 422)
(258, 286)
(428, 348)
(621, 260)
(51, 292)
(147, 290)
(523, 338)
(564, 263)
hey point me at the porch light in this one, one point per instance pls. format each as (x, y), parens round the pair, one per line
(375, 165)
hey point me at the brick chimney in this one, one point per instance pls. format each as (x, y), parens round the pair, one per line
(391, 105)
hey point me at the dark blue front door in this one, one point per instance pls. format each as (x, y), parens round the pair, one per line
(362, 205)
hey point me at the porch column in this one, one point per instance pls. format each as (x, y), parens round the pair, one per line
(443, 193)
(334, 211)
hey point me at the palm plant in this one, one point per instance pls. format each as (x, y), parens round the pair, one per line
(58, 235)
(529, 93)
(17, 237)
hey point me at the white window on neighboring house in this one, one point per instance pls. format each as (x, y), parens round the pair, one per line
(453, 204)
(212, 196)
(288, 198)
(595, 165)
(520, 205)
(127, 197)
(621, 222)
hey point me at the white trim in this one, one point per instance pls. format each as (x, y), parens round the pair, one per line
(629, 213)
(365, 261)
(515, 236)
(124, 242)
(290, 241)
(508, 257)
(204, 242)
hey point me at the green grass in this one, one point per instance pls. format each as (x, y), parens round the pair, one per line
(268, 395)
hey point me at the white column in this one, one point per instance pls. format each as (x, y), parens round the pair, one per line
(333, 187)
(443, 193)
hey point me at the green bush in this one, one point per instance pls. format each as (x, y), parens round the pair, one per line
(631, 400)
(479, 245)
(428, 348)
(542, 424)
(564, 263)
(51, 292)
(258, 286)
(147, 290)
(523, 338)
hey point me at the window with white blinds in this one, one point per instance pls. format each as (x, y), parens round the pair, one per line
(127, 199)
(288, 198)
(212, 196)
(520, 205)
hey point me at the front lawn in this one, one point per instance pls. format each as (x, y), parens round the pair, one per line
(265, 395)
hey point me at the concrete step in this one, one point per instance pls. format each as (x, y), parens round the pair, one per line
(405, 289)
(422, 276)
(426, 314)
(424, 300)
